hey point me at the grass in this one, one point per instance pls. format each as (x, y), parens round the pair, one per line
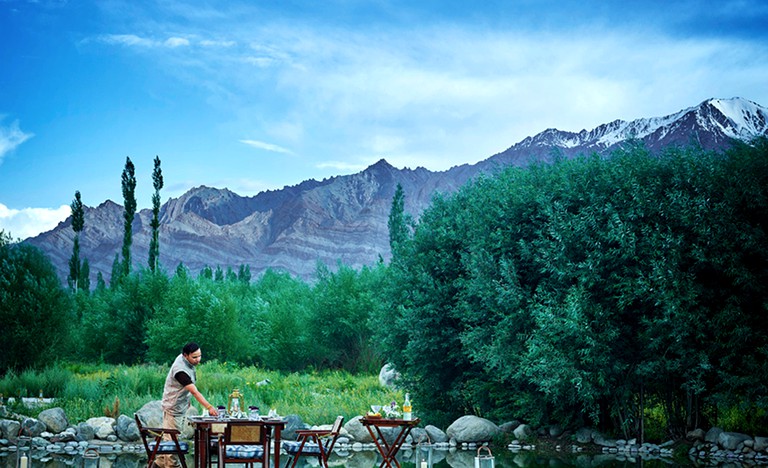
(85, 390)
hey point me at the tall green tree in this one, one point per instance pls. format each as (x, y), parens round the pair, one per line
(154, 243)
(129, 200)
(78, 222)
(34, 309)
(399, 222)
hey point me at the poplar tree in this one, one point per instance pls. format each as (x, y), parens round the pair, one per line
(78, 222)
(154, 243)
(129, 200)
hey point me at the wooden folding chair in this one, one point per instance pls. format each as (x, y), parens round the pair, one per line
(313, 443)
(152, 438)
(244, 442)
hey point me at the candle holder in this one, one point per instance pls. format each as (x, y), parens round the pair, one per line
(485, 460)
(424, 452)
(23, 446)
(91, 458)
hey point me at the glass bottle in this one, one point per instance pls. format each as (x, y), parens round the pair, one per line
(407, 407)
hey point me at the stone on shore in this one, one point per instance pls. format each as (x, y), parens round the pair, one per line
(55, 419)
(472, 428)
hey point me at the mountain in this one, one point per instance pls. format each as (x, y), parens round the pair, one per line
(344, 218)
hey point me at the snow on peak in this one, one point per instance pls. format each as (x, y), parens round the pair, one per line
(739, 118)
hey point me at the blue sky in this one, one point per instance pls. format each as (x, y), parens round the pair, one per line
(257, 95)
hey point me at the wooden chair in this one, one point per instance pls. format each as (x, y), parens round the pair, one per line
(313, 443)
(216, 434)
(152, 438)
(244, 442)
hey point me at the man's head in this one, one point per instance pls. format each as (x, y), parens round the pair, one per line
(192, 353)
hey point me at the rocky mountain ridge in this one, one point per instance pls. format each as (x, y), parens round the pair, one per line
(344, 218)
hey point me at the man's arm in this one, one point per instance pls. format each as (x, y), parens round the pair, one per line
(191, 388)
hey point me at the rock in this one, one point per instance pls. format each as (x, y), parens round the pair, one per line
(357, 431)
(85, 432)
(731, 440)
(126, 429)
(293, 423)
(712, 435)
(471, 428)
(103, 426)
(555, 430)
(600, 440)
(55, 419)
(523, 432)
(584, 435)
(388, 376)
(419, 436)
(761, 444)
(696, 434)
(436, 435)
(509, 426)
(32, 427)
(151, 415)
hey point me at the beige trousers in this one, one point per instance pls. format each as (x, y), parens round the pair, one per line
(171, 422)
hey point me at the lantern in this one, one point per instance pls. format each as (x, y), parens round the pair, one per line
(484, 461)
(424, 452)
(22, 452)
(91, 458)
(236, 404)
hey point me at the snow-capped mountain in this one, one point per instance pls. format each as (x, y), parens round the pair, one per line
(713, 124)
(345, 218)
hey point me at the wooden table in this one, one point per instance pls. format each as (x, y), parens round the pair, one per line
(388, 450)
(203, 425)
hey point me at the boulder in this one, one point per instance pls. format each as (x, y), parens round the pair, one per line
(10, 430)
(523, 432)
(600, 440)
(126, 429)
(419, 436)
(712, 435)
(388, 376)
(555, 430)
(103, 426)
(293, 423)
(696, 434)
(357, 431)
(32, 427)
(761, 444)
(731, 440)
(509, 426)
(55, 419)
(584, 435)
(85, 432)
(436, 435)
(151, 415)
(471, 428)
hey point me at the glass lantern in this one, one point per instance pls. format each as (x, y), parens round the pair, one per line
(236, 404)
(91, 458)
(485, 460)
(23, 459)
(424, 452)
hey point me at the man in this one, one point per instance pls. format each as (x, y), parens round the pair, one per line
(179, 386)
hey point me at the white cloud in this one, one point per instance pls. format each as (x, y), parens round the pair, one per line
(126, 40)
(11, 137)
(176, 42)
(266, 146)
(29, 222)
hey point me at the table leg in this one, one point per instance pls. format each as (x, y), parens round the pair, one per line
(388, 451)
(277, 445)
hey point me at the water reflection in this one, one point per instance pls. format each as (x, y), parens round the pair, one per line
(368, 459)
